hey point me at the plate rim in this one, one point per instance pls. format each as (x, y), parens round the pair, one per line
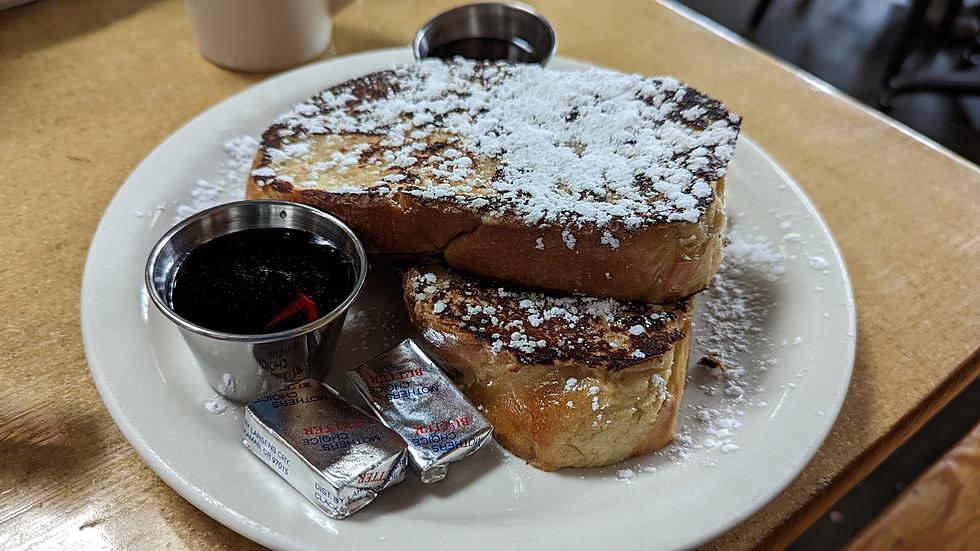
(259, 533)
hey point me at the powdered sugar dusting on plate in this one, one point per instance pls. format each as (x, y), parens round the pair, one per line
(216, 405)
(230, 183)
(729, 321)
(239, 153)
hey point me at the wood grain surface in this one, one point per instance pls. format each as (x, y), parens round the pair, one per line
(89, 87)
(940, 509)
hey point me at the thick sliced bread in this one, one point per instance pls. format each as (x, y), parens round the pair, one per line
(567, 381)
(596, 182)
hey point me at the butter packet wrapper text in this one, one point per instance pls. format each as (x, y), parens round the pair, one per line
(328, 450)
(416, 399)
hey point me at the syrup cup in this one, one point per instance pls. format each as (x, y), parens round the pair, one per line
(511, 22)
(244, 367)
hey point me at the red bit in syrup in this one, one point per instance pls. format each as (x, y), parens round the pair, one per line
(261, 281)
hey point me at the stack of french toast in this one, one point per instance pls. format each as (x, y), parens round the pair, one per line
(556, 224)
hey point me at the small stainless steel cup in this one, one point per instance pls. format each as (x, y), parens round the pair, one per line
(514, 23)
(244, 367)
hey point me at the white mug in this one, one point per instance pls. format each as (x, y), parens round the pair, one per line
(260, 35)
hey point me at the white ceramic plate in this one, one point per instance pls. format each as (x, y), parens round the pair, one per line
(795, 370)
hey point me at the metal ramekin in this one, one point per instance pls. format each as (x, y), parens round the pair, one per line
(503, 21)
(244, 367)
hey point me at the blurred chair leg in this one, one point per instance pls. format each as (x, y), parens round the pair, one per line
(900, 51)
(759, 13)
(938, 511)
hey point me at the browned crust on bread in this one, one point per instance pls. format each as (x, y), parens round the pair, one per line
(656, 264)
(531, 418)
(401, 224)
(614, 414)
(546, 328)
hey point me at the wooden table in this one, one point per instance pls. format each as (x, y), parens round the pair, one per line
(89, 87)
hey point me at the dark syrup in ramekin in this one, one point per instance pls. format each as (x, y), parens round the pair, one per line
(489, 49)
(261, 281)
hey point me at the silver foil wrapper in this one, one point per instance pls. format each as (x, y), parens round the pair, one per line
(413, 397)
(338, 457)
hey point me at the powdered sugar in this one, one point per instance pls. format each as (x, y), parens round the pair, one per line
(660, 385)
(729, 321)
(228, 186)
(818, 262)
(625, 474)
(216, 405)
(568, 238)
(566, 148)
(744, 250)
(370, 328)
(538, 327)
(609, 239)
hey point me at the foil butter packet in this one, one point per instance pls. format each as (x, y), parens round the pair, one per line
(335, 455)
(416, 399)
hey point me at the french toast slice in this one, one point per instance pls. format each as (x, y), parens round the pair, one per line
(567, 381)
(593, 181)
